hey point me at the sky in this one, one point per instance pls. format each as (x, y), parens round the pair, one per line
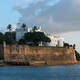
(55, 16)
(7, 13)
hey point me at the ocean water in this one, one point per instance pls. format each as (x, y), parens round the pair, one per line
(69, 72)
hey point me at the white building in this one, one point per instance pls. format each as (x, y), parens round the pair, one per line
(39, 29)
(55, 40)
(20, 31)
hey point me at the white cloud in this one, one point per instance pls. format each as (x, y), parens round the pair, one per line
(62, 17)
(77, 2)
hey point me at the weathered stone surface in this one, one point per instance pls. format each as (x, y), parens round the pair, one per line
(51, 55)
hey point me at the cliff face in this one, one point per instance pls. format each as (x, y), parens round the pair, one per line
(50, 55)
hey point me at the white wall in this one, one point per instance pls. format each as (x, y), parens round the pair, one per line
(20, 33)
(56, 41)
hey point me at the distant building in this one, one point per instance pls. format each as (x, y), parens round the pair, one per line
(29, 29)
(56, 41)
(20, 31)
(39, 29)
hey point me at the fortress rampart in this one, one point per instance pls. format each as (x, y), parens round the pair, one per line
(48, 55)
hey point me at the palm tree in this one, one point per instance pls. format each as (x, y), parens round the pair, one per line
(24, 26)
(9, 27)
(34, 28)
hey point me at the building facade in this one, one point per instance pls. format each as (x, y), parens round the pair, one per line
(56, 41)
(21, 31)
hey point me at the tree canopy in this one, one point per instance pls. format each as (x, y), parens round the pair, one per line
(9, 27)
(77, 55)
(1, 38)
(24, 26)
(36, 37)
(10, 37)
(22, 41)
(34, 28)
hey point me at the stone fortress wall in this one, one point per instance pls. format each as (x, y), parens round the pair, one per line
(29, 55)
